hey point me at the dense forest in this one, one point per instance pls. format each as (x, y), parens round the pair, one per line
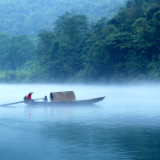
(122, 49)
(29, 17)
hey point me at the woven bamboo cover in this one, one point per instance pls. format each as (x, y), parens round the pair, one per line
(62, 96)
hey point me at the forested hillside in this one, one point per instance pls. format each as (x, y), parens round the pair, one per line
(15, 51)
(122, 49)
(18, 17)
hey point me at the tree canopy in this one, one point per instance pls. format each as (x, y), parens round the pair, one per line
(123, 48)
(29, 17)
(15, 51)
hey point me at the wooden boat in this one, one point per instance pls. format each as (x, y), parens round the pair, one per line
(59, 98)
(73, 102)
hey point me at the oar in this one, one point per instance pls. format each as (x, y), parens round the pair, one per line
(17, 102)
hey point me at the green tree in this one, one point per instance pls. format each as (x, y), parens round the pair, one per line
(60, 52)
(15, 51)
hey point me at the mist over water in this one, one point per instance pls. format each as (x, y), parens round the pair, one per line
(125, 125)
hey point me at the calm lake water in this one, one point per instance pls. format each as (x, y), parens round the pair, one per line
(126, 125)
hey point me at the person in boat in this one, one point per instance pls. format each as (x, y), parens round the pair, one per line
(45, 99)
(29, 96)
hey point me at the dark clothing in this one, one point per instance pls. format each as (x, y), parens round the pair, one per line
(45, 99)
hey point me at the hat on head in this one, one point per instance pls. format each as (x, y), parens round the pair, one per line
(31, 92)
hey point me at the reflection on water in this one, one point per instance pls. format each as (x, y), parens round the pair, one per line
(124, 126)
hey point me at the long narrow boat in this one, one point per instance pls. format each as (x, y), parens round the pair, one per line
(74, 102)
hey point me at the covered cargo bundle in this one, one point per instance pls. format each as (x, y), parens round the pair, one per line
(62, 96)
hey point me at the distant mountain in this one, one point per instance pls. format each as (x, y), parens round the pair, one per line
(29, 16)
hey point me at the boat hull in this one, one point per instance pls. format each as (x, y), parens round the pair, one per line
(79, 102)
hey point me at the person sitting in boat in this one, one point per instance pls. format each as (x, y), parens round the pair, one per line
(45, 99)
(29, 96)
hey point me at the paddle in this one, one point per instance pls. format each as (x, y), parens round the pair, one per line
(17, 102)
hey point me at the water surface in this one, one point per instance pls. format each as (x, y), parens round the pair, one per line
(123, 126)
